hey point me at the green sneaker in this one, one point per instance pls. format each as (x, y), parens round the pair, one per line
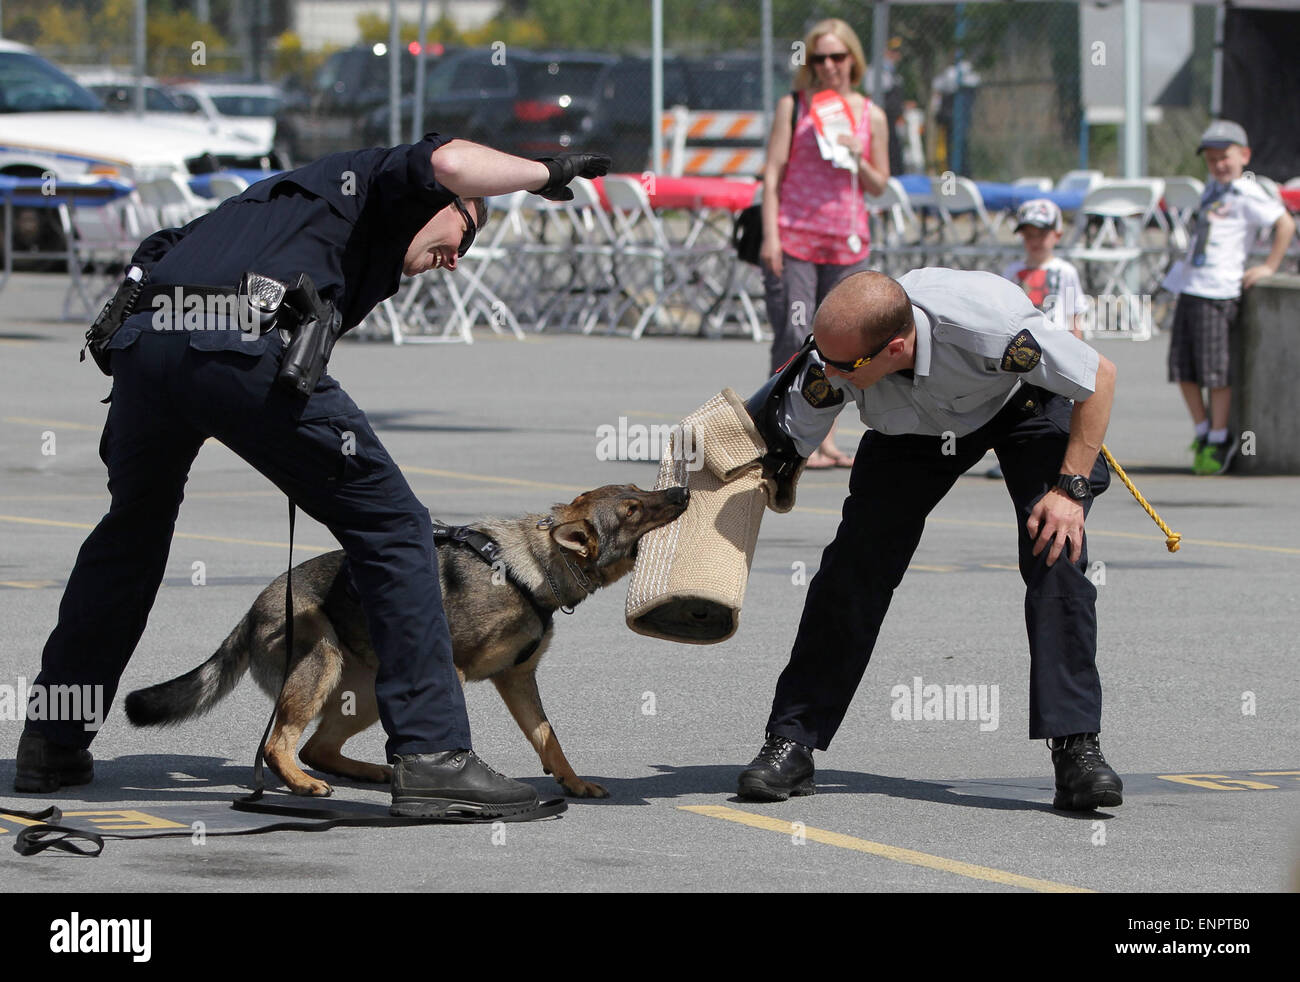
(1215, 458)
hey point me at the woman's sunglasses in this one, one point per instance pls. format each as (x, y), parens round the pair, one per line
(838, 57)
(470, 230)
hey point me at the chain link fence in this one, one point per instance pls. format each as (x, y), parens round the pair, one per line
(994, 91)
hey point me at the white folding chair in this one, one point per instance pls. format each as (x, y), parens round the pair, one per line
(1080, 180)
(101, 238)
(591, 289)
(1182, 202)
(896, 231)
(1106, 241)
(1037, 183)
(959, 196)
(225, 186)
(172, 201)
(654, 269)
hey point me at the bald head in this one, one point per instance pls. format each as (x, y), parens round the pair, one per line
(863, 312)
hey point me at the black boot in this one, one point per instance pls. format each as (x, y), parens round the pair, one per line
(1083, 778)
(42, 766)
(455, 782)
(781, 769)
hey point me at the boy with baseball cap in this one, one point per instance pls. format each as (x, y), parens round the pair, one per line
(1051, 283)
(1209, 281)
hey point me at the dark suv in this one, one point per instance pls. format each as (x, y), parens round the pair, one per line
(324, 115)
(466, 94)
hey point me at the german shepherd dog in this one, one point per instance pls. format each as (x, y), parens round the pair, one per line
(497, 633)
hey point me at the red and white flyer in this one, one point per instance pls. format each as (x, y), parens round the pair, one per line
(832, 117)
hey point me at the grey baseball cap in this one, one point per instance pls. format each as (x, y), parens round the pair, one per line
(1223, 133)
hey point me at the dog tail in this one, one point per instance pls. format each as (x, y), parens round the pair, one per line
(197, 691)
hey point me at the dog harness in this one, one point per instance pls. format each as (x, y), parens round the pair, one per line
(486, 548)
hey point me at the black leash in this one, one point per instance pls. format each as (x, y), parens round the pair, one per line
(52, 834)
(259, 785)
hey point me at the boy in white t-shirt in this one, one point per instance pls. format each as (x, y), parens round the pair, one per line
(1051, 283)
(1209, 282)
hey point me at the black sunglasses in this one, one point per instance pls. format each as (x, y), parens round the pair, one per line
(838, 57)
(853, 366)
(470, 230)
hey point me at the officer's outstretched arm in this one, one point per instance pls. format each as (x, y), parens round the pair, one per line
(471, 169)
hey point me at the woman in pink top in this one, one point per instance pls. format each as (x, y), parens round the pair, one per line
(814, 219)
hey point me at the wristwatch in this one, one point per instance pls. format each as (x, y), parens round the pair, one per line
(1075, 485)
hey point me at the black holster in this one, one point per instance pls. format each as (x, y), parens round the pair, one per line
(314, 325)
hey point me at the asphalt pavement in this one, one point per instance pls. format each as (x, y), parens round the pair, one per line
(1197, 653)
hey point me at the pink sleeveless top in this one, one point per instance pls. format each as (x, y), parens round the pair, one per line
(819, 207)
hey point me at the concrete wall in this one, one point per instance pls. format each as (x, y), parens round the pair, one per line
(1266, 390)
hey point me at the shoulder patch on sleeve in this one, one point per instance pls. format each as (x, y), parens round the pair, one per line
(1022, 355)
(818, 391)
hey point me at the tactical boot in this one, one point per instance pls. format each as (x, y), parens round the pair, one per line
(455, 782)
(43, 766)
(781, 769)
(1083, 778)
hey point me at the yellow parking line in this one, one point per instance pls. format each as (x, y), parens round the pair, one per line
(23, 520)
(1093, 533)
(491, 479)
(894, 853)
(61, 423)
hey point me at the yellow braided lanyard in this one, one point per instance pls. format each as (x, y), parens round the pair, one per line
(1171, 538)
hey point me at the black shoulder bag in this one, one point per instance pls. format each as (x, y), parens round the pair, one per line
(747, 232)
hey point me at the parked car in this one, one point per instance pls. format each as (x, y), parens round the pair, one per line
(116, 90)
(241, 107)
(51, 125)
(324, 114)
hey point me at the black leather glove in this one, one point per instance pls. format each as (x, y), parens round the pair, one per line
(566, 167)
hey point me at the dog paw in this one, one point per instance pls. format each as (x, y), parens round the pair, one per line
(585, 789)
(313, 788)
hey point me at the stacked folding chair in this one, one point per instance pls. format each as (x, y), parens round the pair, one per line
(653, 270)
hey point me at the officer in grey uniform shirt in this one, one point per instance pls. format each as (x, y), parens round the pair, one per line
(944, 365)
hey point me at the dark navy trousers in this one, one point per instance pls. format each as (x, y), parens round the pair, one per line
(896, 482)
(167, 398)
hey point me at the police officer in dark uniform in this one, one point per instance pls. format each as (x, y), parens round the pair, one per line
(944, 364)
(354, 222)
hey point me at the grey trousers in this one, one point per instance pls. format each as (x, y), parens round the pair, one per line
(793, 298)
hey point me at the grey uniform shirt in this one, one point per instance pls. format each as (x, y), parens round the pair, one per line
(978, 338)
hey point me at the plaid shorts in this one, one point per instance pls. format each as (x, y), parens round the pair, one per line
(1198, 349)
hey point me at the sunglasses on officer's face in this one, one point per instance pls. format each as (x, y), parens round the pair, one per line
(852, 366)
(838, 57)
(470, 230)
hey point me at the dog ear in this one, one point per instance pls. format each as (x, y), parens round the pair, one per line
(578, 536)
